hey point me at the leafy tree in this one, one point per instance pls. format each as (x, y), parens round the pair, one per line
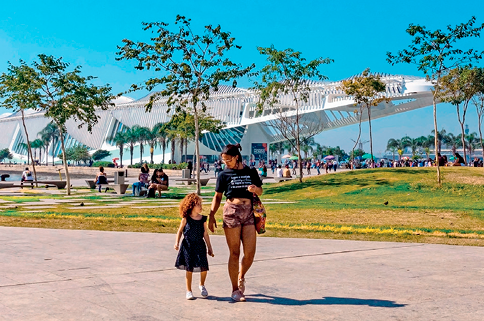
(100, 154)
(478, 101)
(5, 153)
(440, 138)
(18, 91)
(435, 52)
(393, 150)
(192, 66)
(273, 149)
(458, 87)
(357, 153)
(366, 90)
(286, 76)
(335, 151)
(67, 95)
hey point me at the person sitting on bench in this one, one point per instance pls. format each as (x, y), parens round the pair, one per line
(286, 172)
(159, 182)
(27, 176)
(101, 179)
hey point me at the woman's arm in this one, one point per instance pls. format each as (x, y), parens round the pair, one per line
(207, 240)
(179, 233)
(217, 198)
(255, 189)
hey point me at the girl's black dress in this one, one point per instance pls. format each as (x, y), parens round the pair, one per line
(193, 251)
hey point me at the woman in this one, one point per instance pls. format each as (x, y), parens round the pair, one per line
(101, 178)
(238, 183)
(143, 180)
(458, 160)
(159, 181)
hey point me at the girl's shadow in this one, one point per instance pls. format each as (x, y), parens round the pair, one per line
(261, 298)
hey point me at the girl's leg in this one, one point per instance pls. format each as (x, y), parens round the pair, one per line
(232, 236)
(249, 240)
(188, 278)
(203, 277)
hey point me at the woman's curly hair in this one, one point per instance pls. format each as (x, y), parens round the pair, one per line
(188, 203)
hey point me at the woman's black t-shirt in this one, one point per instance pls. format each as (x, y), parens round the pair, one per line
(234, 182)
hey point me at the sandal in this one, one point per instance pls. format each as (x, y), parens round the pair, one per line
(241, 284)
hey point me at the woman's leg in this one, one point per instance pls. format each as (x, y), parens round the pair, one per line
(203, 277)
(188, 278)
(232, 236)
(249, 240)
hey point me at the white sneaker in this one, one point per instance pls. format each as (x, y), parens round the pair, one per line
(190, 295)
(203, 291)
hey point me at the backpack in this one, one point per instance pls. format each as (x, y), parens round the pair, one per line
(151, 193)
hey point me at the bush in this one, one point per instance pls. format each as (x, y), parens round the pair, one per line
(103, 164)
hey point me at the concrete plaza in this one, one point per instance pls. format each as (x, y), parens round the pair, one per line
(93, 275)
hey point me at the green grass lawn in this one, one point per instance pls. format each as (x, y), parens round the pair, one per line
(381, 204)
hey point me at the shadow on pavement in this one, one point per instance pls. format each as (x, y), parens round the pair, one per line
(261, 298)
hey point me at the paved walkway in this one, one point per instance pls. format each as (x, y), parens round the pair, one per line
(92, 275)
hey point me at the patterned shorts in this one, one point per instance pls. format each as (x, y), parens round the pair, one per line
(235, 215)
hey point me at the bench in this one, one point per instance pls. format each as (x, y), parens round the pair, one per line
(58, 184)
(189, 181)
(6, 185)
(92, 183)
(283, 179)
(118, 188)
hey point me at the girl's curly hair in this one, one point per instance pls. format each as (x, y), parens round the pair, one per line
(188, 203)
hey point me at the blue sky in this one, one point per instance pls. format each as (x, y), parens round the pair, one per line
(356, 34)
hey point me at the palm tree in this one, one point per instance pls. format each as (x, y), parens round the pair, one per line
(307, 144)
(472, 142)
(440, 136)
(131, 140)
(451, 141)
(120, 139)
(426, 143)
(142, 133)
(399, 144)
(152, 140)
(37, 145)
(162, 138)
(413, 143)
(393, 150)
(273, 148)
(50, 135)
(26, 147)
(288, 146)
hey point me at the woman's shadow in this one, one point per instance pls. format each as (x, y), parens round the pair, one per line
(328, 300)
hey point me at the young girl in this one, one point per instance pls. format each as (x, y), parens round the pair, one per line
(192, 256)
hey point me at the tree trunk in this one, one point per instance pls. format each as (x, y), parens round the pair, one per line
(186, 150)
(172, 150)
(181, 149)
(152, 151)
(479, 118)
(371, 138)
(140, 153)
(436, 138)
(29, 148)
(356, 142)
(53, 151)
(131, 151)
(197, 146)
(68, 178)
(463, 141)
(163, 146)
(121, 156)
